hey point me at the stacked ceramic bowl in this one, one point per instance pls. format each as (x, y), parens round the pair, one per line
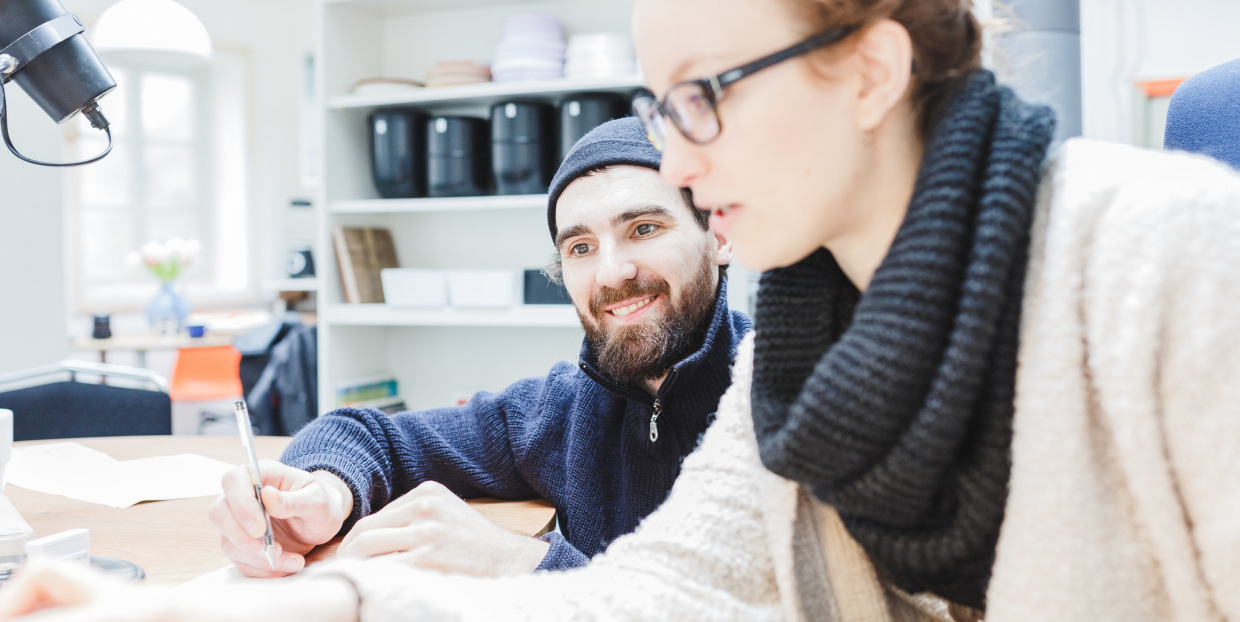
(600, 55)
(454, 72)
(530, 48)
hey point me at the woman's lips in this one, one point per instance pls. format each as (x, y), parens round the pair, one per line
(723, 217)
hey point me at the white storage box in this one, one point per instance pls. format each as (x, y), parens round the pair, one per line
(411, 287)
(482, 288)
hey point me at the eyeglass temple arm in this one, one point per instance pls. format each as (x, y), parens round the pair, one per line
(826, 37)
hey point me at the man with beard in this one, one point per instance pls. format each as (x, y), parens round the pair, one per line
(601, 440)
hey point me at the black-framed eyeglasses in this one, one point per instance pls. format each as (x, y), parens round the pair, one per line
(692, 105)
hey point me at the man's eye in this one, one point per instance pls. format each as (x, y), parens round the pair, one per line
(580, 249)
(646, 229)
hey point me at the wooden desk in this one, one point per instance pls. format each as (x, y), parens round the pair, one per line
(174, 541)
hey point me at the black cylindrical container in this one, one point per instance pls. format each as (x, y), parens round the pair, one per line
(581, 113)
(64, 79)
(398, 153)
(103, 325)
(458, 162)
(522, 147)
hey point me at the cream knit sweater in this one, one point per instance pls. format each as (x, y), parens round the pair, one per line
(1124, 501)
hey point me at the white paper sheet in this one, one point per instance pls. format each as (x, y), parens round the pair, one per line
(75, 471)
(227, 574)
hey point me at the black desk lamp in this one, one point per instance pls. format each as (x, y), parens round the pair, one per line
(42, 49)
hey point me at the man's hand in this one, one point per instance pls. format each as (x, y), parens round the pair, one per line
(69, 592)
(307, 509)
(432, 528)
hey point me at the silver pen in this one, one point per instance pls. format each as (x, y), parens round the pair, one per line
(247, 441)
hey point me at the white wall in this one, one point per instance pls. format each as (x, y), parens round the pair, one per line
(32, 266)
(1126, 41)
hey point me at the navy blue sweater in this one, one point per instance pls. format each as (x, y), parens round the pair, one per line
(573, 438)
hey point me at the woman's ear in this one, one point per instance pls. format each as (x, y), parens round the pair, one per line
(723, 250)
(885, 51)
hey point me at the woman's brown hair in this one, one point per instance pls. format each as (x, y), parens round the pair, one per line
(947, 41)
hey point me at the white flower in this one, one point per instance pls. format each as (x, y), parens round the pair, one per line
(167, 258)
(150, 251)
(163, 252)
(175, 248)
(187, 250)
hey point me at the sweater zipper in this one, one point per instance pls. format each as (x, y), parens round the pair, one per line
(654, 417)
(635, 396)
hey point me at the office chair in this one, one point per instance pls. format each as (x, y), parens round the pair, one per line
(1204, 114)
(73, 409)
(205, 385)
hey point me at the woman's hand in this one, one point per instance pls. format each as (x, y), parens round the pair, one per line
(68, 592)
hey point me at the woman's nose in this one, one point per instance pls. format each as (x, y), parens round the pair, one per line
(683, 162)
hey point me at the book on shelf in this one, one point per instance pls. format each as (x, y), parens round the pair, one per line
(366, 389)
(361, 255)
(389, 405)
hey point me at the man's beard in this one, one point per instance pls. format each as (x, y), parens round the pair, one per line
(648, 349)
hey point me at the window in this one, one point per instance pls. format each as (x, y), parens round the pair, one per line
(177, 170)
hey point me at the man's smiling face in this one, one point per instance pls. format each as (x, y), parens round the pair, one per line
(640, 270)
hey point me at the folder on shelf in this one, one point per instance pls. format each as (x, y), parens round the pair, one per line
(380, 391)
(361, 255)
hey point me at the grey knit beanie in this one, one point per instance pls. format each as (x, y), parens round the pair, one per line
(614, 143)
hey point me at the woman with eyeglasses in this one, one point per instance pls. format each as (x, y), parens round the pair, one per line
(1007, 375)
(982, 380)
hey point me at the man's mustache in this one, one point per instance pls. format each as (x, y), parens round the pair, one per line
(639, 288)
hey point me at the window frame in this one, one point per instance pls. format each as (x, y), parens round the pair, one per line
(202, 290)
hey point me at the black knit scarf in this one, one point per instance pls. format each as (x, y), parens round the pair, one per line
(895, 406)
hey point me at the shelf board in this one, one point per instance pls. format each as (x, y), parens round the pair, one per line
(553, 316)
(406, 206)
(291, 285)
(396, 7)
(484, 93)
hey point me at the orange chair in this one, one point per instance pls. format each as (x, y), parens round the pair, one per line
(204, 383)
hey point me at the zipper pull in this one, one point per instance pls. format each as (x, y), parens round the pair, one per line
(654, 427)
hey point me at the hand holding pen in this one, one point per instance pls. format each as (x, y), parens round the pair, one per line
(303, 510)
(247, 441)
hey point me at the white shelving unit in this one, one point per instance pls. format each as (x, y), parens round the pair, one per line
(485, 94)
(291, 285)
(520, 316)
(409, 206)
(437, 355)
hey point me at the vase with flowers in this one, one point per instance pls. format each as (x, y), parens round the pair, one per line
(167, 260)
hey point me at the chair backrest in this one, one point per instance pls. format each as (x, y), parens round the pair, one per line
(78, 409)
(1204, 114)
(206, 374)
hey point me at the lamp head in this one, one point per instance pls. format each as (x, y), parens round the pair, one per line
(43, 50)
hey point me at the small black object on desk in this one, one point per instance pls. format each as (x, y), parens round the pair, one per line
(103, 326)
